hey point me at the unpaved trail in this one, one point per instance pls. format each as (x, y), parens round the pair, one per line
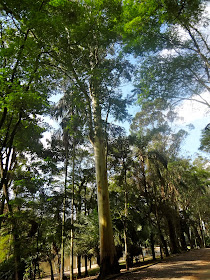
(193, 265)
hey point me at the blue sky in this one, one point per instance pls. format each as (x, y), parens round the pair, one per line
(189, 112)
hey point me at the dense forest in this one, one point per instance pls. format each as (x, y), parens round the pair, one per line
(86, 187)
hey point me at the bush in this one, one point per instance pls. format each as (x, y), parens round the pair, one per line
(7, 269)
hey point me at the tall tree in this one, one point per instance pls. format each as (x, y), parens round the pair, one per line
(95, 71)
(177, 65)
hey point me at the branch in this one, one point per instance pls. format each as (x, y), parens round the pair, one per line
(189, 99)
(201, 36)
(199, 79)
(3, 117)
(7, 134)
(11, 141)
(34, 72)
(19, 56)
(203, 57)
(83, 89)
(3, 45)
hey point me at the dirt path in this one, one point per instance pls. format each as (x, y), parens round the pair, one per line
(193, 265)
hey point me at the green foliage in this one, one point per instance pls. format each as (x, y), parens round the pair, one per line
(170, 78)
(4, 246)
(205, 139)
(73, 47)
(145, 23)
(7, 271)
(87, 235)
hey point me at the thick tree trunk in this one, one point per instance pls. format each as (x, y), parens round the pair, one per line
(162, 239)
(172, 236)
(164, 245)
(182, 236)
(197, 237)
(108, 257)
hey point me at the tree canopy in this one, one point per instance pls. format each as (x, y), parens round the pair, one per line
(91, 189)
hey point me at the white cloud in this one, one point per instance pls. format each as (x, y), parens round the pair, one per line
(190, 111)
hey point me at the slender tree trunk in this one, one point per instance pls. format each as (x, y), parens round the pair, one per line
(3, 198)
(191, 238)
(51, 269)
(162, 239)
(164, 243)
(197, 237)
(202, 231)
(126, 216)
(72, 219)
(90, 263)
(182, 237)
(64, 213)
(161, 251)
(86, 265)
(79, 266)
(125, 231)
(152, 243)
(35, 270)
(19, 266)
(18, 270)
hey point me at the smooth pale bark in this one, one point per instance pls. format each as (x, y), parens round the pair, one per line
(108, 258)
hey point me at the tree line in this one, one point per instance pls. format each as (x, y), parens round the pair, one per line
(93, 190)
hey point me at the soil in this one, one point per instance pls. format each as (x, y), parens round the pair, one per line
(192, 265)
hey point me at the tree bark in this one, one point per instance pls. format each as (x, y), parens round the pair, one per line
(51, 269)
(79, 266)
(152, 244)
(164, 244)
(64, 213)
(108, 257)
(86, 265)
(126, 216)
(172, 236)
(182, 236)
(72, 219)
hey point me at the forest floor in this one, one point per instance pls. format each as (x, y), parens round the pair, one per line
(192, 265)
